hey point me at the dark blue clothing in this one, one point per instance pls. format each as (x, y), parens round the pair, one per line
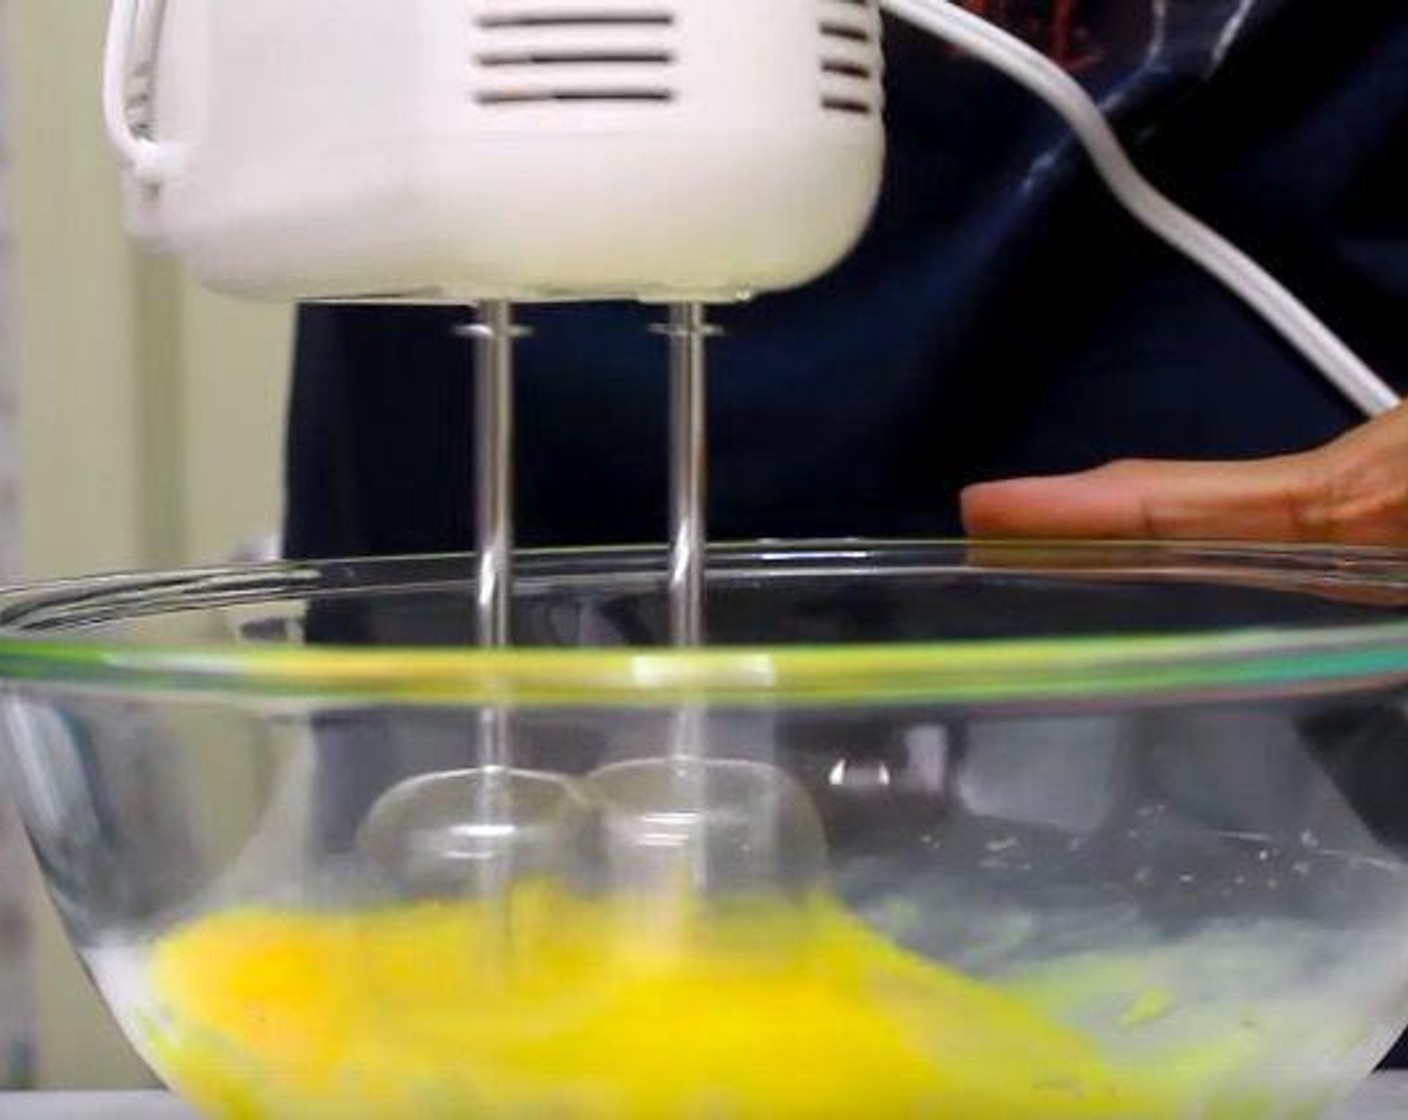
(1002, 317)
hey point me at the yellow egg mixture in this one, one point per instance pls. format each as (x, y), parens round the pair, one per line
(562, 1006)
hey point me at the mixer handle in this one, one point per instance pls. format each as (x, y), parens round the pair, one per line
(150, 163)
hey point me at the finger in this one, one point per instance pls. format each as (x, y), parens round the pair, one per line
(1363, 488)
(1363, 578)
(1264, 500)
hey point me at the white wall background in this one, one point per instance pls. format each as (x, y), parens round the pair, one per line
(16, 988)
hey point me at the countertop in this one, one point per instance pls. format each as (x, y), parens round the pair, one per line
(1385, 1097)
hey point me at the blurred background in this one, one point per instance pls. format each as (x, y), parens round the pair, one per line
(140, 426)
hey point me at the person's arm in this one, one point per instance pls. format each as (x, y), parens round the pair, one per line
(1353, 491)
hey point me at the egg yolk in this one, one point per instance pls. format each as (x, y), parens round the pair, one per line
(553, 1005)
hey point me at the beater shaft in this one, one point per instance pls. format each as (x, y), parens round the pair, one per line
(689, 332)
(494, 335)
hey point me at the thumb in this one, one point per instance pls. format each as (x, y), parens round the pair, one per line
(1268, 500)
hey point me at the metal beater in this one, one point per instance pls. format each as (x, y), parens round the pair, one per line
(675, 825)
(477, 830)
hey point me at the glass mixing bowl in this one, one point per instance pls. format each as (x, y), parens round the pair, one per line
(929, 830)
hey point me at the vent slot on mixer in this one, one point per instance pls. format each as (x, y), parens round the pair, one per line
(530, 55)
(850, 52)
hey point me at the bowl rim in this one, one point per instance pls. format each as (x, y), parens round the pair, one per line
(971, 672)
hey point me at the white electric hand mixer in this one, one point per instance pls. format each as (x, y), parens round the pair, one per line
(481, 152)
(680, 152)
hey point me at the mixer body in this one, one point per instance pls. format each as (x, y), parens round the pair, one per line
(501, 149)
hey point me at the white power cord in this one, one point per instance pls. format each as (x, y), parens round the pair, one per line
(1320, 346)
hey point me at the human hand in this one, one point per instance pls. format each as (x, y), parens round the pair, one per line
(1353, 491)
